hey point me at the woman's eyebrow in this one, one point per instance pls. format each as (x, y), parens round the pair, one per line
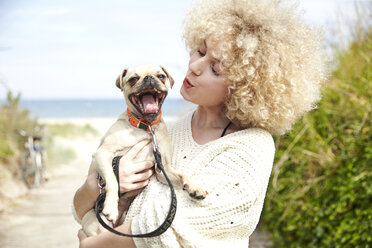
(206, 47)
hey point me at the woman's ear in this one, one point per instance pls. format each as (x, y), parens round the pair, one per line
(171, 81)
(119, 80)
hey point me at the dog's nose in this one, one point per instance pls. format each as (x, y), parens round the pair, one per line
(148, 78)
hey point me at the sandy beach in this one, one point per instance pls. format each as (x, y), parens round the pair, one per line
(100, 124)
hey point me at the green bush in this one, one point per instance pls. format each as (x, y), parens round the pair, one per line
(13, 118)
(320, 193)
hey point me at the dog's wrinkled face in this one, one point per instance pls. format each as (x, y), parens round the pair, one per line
(145, 88)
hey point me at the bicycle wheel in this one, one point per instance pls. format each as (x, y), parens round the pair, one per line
(37, 169)
(26, 167)
(31, 169)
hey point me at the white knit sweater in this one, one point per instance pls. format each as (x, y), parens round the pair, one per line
(234, 169)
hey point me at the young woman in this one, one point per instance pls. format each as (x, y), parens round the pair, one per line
(254, 69)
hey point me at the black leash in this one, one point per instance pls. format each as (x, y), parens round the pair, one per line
(98, 207)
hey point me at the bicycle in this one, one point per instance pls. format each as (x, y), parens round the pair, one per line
(32, 160)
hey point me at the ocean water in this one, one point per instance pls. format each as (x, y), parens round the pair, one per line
(94, 108)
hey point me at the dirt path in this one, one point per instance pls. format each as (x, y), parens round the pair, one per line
(43, 219)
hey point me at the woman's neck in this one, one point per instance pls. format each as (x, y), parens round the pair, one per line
(209, 117)
(207, 124)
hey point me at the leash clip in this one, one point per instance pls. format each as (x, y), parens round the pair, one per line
(155, 144)
(153, 138)
(101, 183)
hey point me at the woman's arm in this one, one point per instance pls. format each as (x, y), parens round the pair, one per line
(108, 239)
(86, 196)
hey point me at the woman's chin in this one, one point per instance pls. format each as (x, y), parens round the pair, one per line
(184, 94)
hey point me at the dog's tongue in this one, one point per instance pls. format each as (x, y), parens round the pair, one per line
(149, 104)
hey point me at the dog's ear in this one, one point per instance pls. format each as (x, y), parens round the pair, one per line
(119, 80)
(169, 76)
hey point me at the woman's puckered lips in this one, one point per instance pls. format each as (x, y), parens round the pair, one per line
(186, 83)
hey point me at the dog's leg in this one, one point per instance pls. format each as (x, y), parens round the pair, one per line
(193, 190)
(90, 224)
(180, 180)
(103, 161)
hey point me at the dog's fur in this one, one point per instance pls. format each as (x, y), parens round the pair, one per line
(122, 136)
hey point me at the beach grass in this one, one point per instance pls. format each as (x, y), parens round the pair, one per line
(14, 118)
(69, 130)
(61, 152)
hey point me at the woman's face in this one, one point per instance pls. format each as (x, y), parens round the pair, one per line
(204, 85)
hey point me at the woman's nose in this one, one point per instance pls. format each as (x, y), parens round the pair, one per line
(196, 66)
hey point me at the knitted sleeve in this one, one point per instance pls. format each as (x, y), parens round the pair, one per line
(236, 174)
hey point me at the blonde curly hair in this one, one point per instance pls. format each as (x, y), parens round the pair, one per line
(271, 61)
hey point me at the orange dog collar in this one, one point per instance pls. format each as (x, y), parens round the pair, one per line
(141, 122)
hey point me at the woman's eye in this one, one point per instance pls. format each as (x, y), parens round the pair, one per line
(215, 72)
(201, 53)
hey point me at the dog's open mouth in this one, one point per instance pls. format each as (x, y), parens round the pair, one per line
(148, 101)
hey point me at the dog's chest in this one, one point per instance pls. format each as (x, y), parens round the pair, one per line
(121, 137)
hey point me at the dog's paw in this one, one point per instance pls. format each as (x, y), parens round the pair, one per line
(90, 224)
(195, 191)
(110, 210)
(95, 228)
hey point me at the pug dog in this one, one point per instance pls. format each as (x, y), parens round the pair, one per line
(144, 88)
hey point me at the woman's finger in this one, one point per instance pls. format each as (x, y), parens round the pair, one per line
(135, 186)
(141, 166)
(135, 181)
(132, 153)
(142, 176)
(140, 185)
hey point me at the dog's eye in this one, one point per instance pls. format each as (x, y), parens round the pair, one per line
(161, 76)
(133, 80)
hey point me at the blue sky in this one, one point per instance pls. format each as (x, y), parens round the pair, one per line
(76, 49)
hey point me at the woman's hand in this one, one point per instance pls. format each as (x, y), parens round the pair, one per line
(134, 175)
